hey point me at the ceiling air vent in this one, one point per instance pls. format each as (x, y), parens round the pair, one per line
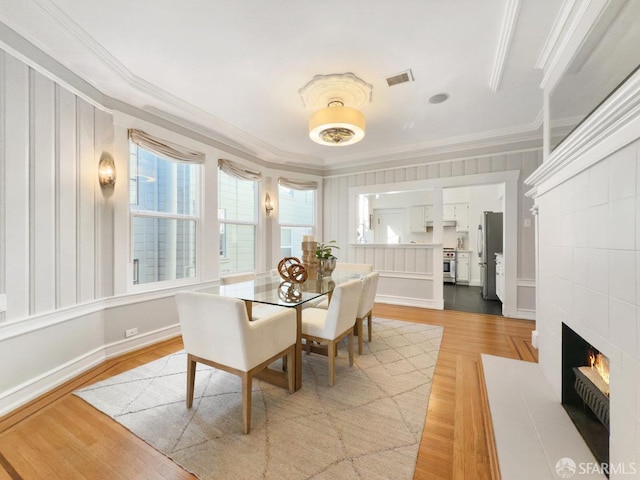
(403, 77)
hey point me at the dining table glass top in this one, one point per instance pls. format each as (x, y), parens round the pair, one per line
(274, 290)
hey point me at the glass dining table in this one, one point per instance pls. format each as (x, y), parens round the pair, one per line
(272, 290)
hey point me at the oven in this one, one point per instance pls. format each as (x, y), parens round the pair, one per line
(449, 265)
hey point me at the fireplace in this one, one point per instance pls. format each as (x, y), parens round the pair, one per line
(585, 391)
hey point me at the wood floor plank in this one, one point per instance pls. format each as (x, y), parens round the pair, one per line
(59, 436)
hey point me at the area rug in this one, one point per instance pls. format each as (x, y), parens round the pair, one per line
(368, 426)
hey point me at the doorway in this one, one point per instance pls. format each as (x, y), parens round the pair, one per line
(388, 225)
(468, 298)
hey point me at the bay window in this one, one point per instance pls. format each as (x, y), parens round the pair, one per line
(297, 214)
(164, 203)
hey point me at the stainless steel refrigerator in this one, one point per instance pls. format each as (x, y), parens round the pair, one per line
(489, 242)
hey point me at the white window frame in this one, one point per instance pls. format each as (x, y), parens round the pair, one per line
(140, 213)
(257, 255)
(313, 226)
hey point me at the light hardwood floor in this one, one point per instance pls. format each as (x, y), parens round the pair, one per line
(59, 436)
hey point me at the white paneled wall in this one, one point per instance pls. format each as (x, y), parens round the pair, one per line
(589, 264)
(336, 222)
(57, 223)
(408, 259)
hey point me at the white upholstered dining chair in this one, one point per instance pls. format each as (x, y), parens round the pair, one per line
(217, 332)
(365, 307)
(258, 310)
(333, 324)
(237, 278)
(353, 267)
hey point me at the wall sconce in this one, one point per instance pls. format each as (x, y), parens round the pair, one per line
(268, 206)
(106, 171)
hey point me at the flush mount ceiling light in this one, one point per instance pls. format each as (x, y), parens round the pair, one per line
(335, 99)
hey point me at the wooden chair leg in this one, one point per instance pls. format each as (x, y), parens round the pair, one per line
(331, 351)
(359, 333)
(350, 337)
(191, 379)
(290, 375)
(246, 402)
(369, 319)
(284, 362)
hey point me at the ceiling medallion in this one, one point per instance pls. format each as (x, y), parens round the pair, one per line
(333, 123)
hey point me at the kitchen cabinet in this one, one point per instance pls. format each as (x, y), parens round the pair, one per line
(463, 267)
(500, 276)
(419, 215)
(449, 211)
(428, 213)
(417, 222)
(459, 212)
(462, 217)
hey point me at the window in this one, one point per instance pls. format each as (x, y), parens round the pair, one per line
(164, 206)
(238, 217)
(296, 216)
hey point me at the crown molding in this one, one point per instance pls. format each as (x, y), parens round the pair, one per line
(509, 22)
(117, 83)
(492, 138)
(552, 40)
(579, 18)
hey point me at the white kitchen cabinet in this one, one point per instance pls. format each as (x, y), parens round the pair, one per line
(449, 211)
(462, 217)
(428, 213)
(419, 215)
(463, 267)
(459, 212)
(417, 218)
(500, 277)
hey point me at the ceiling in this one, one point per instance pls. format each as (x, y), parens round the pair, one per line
(233, 68)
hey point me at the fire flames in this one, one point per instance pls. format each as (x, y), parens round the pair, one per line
(600, 364)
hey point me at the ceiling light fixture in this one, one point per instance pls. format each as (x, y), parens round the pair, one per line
(336, 125)
(335, 98)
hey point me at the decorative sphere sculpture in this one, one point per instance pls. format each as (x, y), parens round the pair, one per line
(289, 292)
(290, 268)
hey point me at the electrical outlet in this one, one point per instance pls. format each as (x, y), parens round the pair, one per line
(131, 332)
(3, 302)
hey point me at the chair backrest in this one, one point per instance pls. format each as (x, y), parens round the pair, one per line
(343, 308)
(237, 278)
(353, 267)
(213, 327)
(368, 295)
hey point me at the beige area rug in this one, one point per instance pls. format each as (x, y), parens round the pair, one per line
(368, 426)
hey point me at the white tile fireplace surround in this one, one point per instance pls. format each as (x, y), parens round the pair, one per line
(589, 273)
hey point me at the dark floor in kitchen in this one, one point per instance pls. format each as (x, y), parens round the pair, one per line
(465, 298)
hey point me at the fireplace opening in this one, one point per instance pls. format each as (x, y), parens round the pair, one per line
(585, 391)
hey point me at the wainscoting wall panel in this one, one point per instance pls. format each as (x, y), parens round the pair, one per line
(42, 191)
(67, 186)
(335, 216)
(58, 224)
(15, 113)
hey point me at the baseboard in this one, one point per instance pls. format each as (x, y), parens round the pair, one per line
(127, 345)
(35, 387)
(410, 302)
(534, 339)
(526, 314)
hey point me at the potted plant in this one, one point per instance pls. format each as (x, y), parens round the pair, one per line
(326, 259)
